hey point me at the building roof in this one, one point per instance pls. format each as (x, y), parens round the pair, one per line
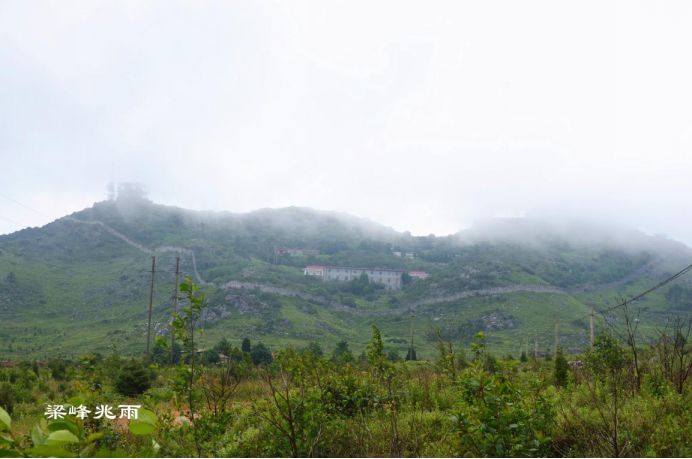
(351, 267)
(367, 269)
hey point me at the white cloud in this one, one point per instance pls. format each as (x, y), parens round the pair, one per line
(423, 116)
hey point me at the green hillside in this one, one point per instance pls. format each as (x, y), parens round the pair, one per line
(81, 283)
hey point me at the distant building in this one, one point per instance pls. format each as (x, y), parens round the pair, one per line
(409, 255)
(297, 252)
(389, 278)
(314, 271)
(418, 274)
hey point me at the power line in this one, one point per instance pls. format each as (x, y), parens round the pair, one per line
(591, 338)
(175, 306)
(643, 294)
(619, 305)
(639, 296)
(151, 300)
(22, 205)
(631, 300)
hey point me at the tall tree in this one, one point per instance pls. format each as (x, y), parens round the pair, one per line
(561, 368)
(246, 346)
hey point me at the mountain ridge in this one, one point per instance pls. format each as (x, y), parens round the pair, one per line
(91, 268)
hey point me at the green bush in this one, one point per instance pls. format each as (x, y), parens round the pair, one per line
(133, 379)
(7, 397)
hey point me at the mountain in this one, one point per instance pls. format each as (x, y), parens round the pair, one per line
(81, 283)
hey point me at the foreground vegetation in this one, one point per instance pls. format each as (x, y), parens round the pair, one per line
(230, 401)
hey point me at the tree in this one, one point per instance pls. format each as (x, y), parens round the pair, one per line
(7, 396)
(246, 346)
(58, 368)
(523, 357)
(210, 357)
(161, 353)
(184, 323)
(607, 365)
(384, 373)
(446, 358)
(294, 411)
(631, 326)
(361, 285)
(224, 347)
(342, 354)
(393, 356)
(461, 359)
(490, 363)
(375, 347)
(499, 418)
(675, 352)
(260, 354)
(561, 369)
(411, 354)
(315, 349)
(219, 383)
(134, 379)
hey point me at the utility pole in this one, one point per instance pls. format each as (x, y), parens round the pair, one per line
(413, 315)
(411, 353)
(535, 347)
(151, 302)
(591, 327)
(557, 334)
(175, 306)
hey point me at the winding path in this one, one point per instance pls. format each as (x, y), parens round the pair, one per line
(525, 288)
(141, 248)
(265, 288)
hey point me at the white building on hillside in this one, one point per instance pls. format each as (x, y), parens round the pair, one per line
(314, 271)
(418, 274)
(389, 278)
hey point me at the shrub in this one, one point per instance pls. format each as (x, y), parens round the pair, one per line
(260, 354)
(7, 397)
(133, 379)
(561, 369)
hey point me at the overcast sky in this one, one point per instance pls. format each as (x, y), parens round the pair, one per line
(424, 116)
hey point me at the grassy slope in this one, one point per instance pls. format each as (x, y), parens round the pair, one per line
(79, 288)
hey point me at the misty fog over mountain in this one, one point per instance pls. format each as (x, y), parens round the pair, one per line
(426, 120)
(363, 228)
